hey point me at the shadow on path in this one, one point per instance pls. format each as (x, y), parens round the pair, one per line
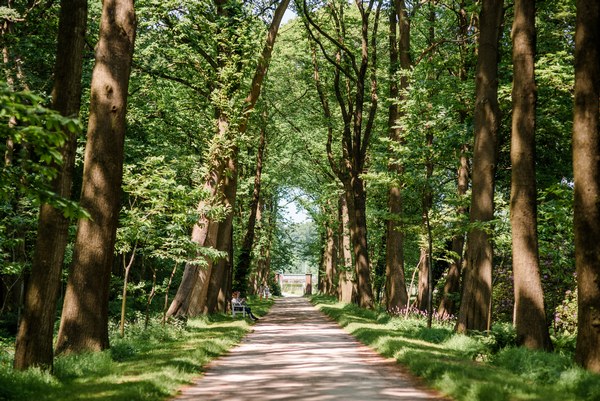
(296, 353)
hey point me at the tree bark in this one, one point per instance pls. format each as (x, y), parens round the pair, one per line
(586, 170)
(395, 287)
(530, 315)
(346, 286)
(36, 329)
(84, 323)
(217, 295)
(475, 308)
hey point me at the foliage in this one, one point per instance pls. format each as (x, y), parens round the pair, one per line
(467, 368)
(31, 137)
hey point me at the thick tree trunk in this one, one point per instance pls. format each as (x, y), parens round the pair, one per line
(84, 323)
(530, 315)
(36, 329)
(190, 298)
(586, 170)
(396, 296)
(216, 295)
(475, 308)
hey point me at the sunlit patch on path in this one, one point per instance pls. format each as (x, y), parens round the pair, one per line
(295, 353)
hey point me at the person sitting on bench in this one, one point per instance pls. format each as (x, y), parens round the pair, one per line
(242, 301)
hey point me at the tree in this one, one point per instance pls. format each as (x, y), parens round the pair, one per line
(243, 266)
(530, 315)
(451, 289)
(36, 328)
(352, 74)
(475, 308)
(191, 297)
(84, 320)
(396, 295)
(586, 171)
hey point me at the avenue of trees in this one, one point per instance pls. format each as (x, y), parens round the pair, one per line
(446, 151)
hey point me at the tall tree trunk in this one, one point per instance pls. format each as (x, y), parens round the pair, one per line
(245, 257)
(451, 290)
(530, 315)
(36, 329)
(216, 295)
(475, 308)
(396, 296)
(586, 170)
(358, 236)
(425, 286)
(84, 322)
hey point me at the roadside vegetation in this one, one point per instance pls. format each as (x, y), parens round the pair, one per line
(479, 367)
(147, 364)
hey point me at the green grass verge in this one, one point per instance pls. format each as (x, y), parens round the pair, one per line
(466, 368)
(147, 364)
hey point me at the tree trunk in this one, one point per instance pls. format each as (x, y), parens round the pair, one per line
(190, 298)
(36, 329)
(358, 236)
(451, 291)
(345, 280)
(330, 260)
(530, 315)
(586, 170)
(84, 323)
(216, 294)
(475, 308)
(395, 287)
(452, 285)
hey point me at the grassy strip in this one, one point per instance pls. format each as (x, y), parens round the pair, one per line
(147, 364)
(467, 368)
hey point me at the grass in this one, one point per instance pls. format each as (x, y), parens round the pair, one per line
(149, 365)
(467, 368)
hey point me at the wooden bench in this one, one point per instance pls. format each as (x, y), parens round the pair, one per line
(237, 307)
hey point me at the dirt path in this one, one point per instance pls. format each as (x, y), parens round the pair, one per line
(296, 353)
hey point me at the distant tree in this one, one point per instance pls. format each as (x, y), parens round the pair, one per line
(84, 320)
(586, 169)
(475, 308)
(353, 77)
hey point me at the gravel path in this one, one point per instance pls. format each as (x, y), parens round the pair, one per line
(296, 353)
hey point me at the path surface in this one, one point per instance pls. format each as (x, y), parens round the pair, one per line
(296, 353)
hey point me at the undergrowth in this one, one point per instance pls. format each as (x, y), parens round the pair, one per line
(147, 364)
(478, 367)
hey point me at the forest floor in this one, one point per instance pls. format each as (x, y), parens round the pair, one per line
(295, 352)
